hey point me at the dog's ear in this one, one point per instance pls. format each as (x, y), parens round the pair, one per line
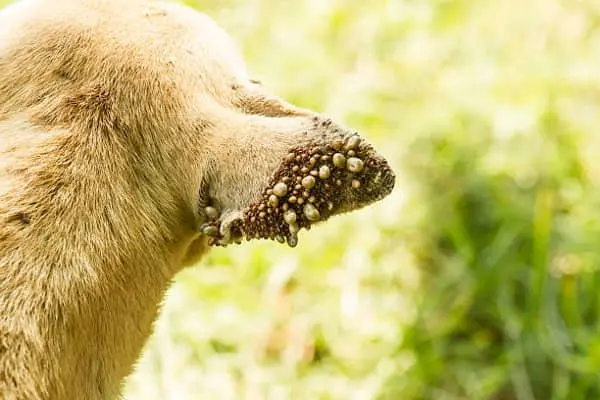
(278, 168)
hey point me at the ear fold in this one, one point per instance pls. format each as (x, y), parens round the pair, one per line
(255, 100)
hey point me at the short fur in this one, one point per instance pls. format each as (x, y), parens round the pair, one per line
(118, 121)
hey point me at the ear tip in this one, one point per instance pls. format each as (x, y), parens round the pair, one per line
(313, 183)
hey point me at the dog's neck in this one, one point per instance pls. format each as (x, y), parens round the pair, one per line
(89, 304)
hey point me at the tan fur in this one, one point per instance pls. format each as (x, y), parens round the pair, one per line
(118, 120)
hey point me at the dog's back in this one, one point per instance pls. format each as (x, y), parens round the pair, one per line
(93, 214)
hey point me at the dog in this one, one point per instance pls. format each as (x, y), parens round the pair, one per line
(132, 139)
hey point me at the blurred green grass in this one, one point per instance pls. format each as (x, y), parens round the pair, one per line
(478, 278)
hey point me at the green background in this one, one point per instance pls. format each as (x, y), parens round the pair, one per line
(477, 278)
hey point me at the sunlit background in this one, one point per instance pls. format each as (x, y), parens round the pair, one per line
(477, 278)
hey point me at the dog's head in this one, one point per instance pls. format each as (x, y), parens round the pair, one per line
(165, 85)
